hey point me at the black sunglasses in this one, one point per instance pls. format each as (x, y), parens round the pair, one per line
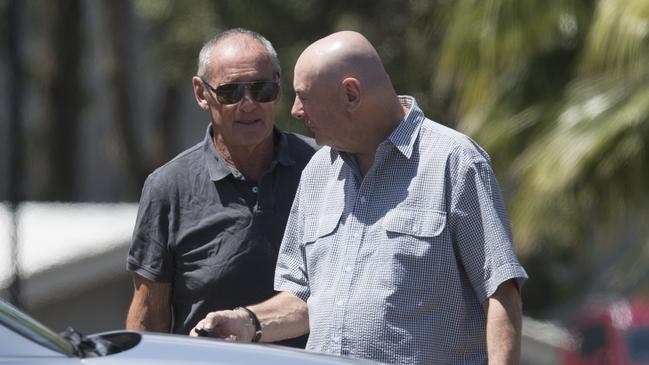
(262, 91)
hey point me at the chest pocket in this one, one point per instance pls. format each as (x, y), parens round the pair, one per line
(318, 226)
(415, 241)
(318, 245)
(419, 223)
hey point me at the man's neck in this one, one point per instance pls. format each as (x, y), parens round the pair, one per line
(251, 161)
(365, 158)
(364, 162)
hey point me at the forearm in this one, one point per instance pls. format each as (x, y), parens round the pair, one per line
(150, 308)
(281, 317)
(142, 317)
(504, 312)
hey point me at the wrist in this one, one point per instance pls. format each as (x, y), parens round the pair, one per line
(254, 321)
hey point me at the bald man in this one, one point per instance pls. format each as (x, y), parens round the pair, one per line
(398, 246)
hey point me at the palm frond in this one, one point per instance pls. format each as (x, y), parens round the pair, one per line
(591, 166)
(617, 41)
(493, 40)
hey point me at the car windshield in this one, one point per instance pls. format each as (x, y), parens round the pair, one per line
(638, 340)
(26, 326)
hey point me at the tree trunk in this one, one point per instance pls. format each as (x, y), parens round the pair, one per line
(62, 136)
(165, 124)
(118, 20)
(15, 74)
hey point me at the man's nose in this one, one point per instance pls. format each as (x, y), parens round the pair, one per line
(296, 110)
(247, 102)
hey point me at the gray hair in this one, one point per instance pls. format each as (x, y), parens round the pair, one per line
(206, 52)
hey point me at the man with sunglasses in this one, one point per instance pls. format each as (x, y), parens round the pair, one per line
(211, 220)
(398, 247)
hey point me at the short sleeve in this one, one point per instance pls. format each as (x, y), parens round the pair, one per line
(481, 229)
(149, 254)
(291, 272)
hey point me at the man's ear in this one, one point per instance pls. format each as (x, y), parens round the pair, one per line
(200, 93)
(352, 93)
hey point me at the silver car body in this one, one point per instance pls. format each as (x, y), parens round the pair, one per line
(23, 340)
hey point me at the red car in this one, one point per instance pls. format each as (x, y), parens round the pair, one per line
(614, 332)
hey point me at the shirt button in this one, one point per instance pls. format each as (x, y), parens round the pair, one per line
(339, 303)
(255, 189)
(336, 339)
(357, 235)
(363, 200)
(348, 268)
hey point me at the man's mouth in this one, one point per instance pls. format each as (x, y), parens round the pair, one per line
(249, 122)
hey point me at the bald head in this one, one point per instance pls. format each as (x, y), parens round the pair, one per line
(236, 38)
(344, 94)
(345, 54)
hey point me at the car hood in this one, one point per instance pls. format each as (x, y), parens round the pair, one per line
(175, 349)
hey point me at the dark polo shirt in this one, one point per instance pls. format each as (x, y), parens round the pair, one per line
(215, 236)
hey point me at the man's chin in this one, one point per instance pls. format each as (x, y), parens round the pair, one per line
(325, 142)
(254, 138)
(319, 140)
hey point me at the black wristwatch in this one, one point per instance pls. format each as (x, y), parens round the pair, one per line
(255, 322)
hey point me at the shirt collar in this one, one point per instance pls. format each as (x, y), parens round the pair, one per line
(403, 137)
(283, 149)
(218, 169)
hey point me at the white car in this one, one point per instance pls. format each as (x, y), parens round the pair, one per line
(24, 341)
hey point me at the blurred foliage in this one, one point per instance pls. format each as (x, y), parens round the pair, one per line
(180, 28)
(556, 91)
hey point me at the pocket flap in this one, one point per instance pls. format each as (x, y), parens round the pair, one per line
(415, 222)
(317, 226)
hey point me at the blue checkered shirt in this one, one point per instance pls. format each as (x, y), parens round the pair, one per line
(394, 266)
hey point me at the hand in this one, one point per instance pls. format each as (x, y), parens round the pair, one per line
(232, 325)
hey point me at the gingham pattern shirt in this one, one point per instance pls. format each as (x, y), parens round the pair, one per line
(394, 266)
